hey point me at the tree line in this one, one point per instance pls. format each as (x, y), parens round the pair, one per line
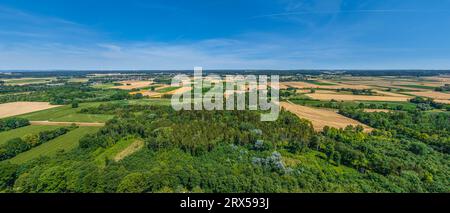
(13, 123)
(233, 151)
(16, 146)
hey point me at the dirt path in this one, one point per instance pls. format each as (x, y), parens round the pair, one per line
(54, 123)
(322, 117)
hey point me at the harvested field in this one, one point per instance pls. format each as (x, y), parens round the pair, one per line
(129, 85)
(160, 91)
(303, 91)
(179, 90)
(161, 86)
(19, 108)
(303, 85)
(442, 101)
(418, 84)
(78, 80)
(151, 94)
(391, 94)
(432, 94)
(53, 123)
(282, 86)
(27, 81)
(443, 78)
(321, 117)
(340, 97)
(326, 91)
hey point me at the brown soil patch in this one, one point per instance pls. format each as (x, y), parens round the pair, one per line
(442, 101)
(322, 117)
(19, 108)
(179, 91)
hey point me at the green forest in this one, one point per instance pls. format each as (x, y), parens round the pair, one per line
(233, 151)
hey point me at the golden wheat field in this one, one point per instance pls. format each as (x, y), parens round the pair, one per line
(19, 108)
(322, 117)
(344, 97)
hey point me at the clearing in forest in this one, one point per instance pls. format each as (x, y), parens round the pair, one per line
(19, 108)
(322, 117)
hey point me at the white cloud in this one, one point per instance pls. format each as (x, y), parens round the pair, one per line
(34, 42)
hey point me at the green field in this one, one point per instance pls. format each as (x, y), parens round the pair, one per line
(28, 81)
(103, 86)
(67, 113)
(65, 142)
(20, 132)
(417, 86)
(156, 102)
(318, 103)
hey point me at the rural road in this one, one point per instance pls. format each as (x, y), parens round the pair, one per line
(51, 123)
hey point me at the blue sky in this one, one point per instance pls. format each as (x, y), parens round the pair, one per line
(227, 34)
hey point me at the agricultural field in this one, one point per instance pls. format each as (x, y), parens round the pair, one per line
(341, 97)
(67, 114)
(78, 80)
(103, 86)
(317, 132)
(166, 89)
(23, 131)
(27, 81)
(438, 96)
(305, 85)
(19, 108)
(161, 91)
(64, 143)
(129, 85)
(367, 104)
(322, 117)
